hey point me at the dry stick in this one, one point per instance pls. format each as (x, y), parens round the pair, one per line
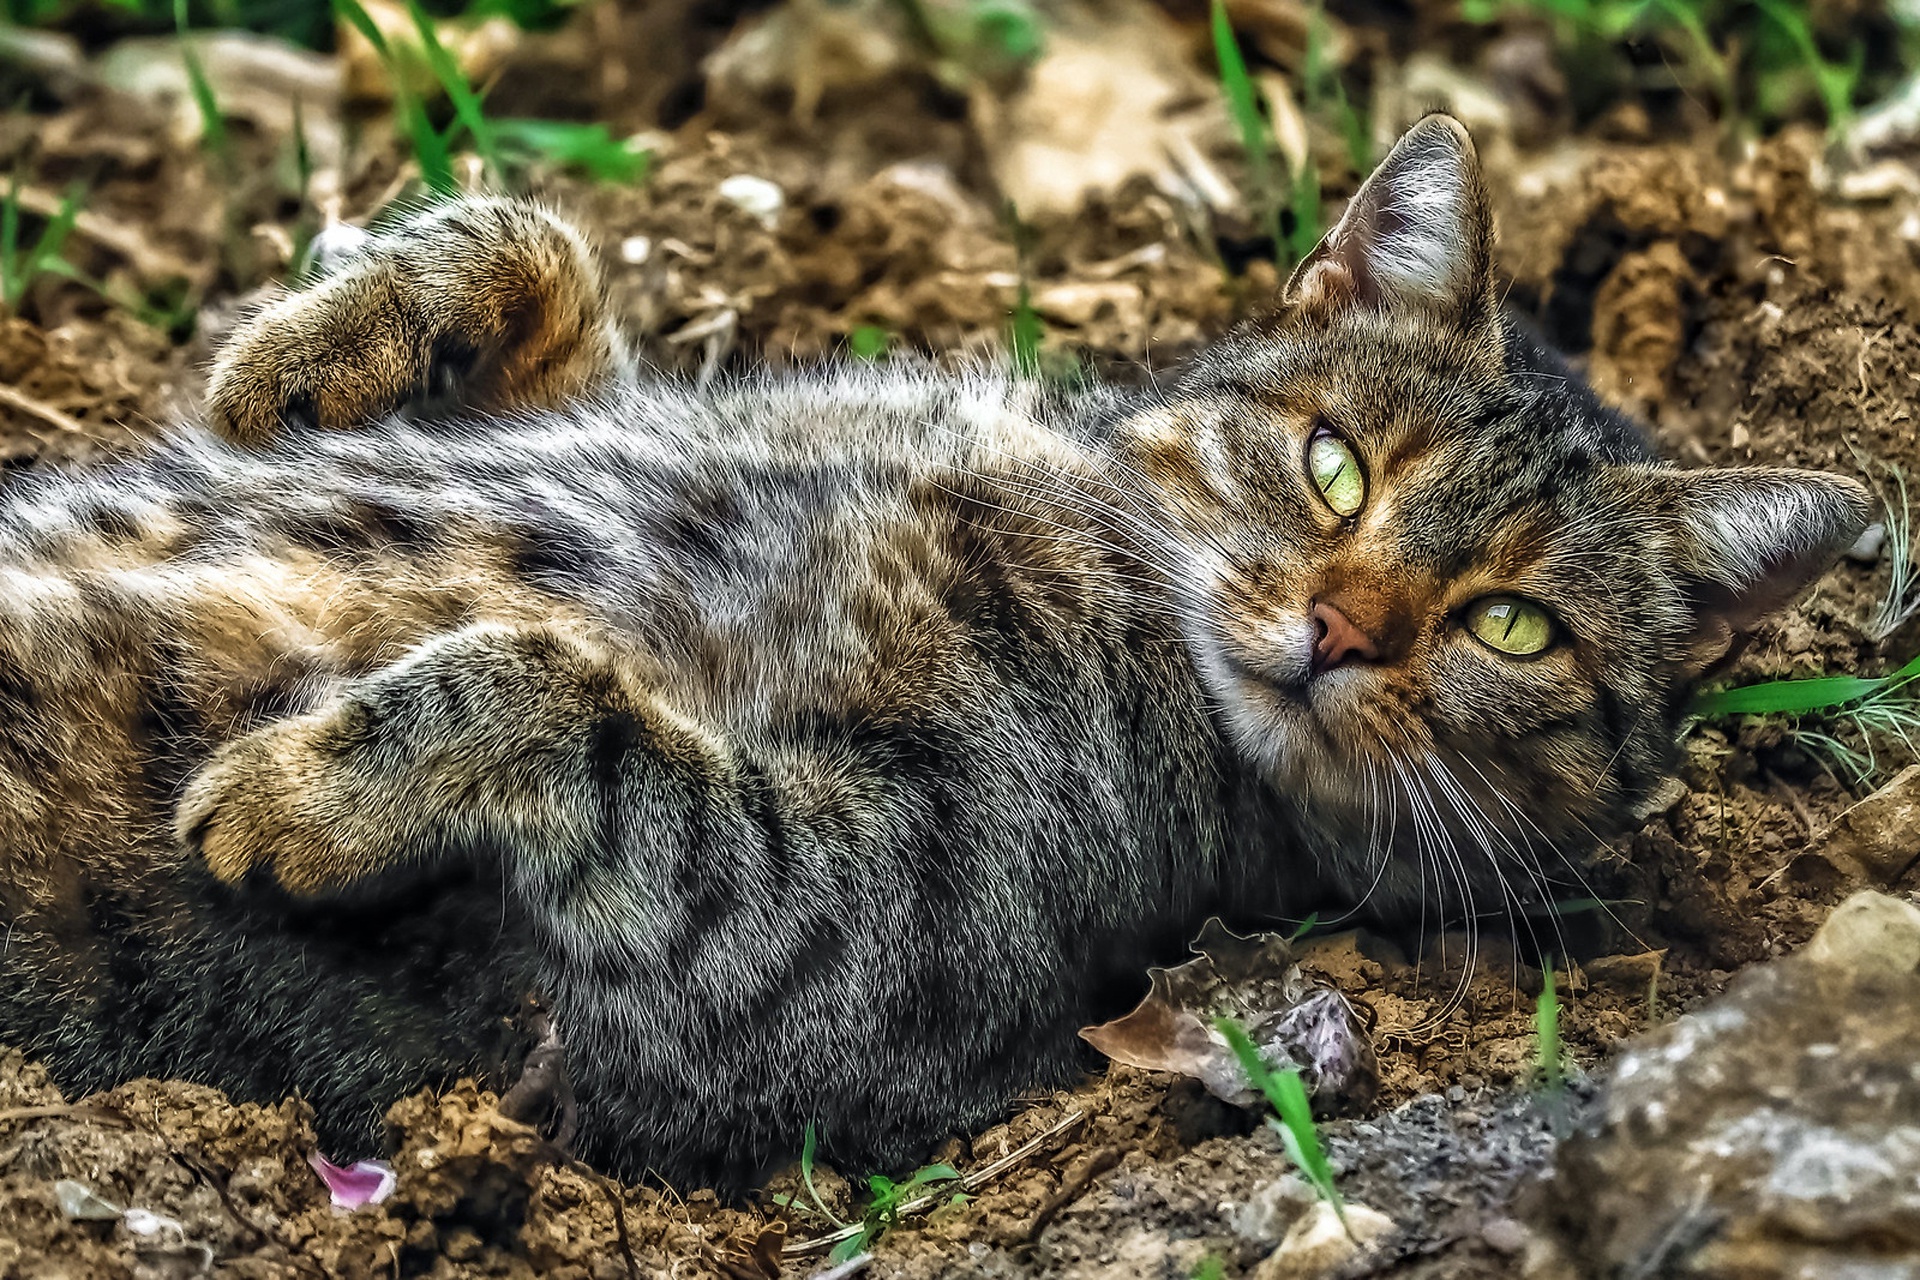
(1074, 1187)
(972, 1182)
(618, 1196)
(59, 420)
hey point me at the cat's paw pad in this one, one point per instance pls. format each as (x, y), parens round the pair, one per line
(271, 802)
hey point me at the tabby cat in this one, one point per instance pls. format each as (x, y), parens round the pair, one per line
(824, 748)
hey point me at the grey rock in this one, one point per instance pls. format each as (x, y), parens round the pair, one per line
(1773, 1133)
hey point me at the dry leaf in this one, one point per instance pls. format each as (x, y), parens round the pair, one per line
(1294, 1020)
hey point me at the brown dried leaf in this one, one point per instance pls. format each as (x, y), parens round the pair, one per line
(1256, 980)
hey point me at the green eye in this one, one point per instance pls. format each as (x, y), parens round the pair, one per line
(1336, 473)
(1510, 624)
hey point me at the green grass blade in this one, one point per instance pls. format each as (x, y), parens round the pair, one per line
(1799, 697)
(588, 148)
(1835, 82)
(46, 250)
(1243, 105)
(1027, 331)
(213, 125)
(360, 20)
(808, 1147)
(1546, 1030)
(430, 148)
(466, 103)
(1287, 1094)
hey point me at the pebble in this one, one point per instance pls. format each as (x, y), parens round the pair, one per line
(1867, 549)
(1271, 1210)
(1320, 1242)
(757, 196)
(76, 1201)
(1504, 1235)
(1876, 835)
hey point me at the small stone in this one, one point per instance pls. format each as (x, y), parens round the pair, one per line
(757, 196)
(1504, 1235)
(1867, 549)
(1870, 932)
(1629, 974)
(1457, 1094)
(81, 1204)
(1271, 1211)
(148, 1225)
(1881, 833)
(1319, 1242)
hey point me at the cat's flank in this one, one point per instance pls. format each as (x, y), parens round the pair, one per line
(824, 749)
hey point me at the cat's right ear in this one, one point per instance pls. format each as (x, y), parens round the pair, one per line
(1417, 236)
(1752, 539)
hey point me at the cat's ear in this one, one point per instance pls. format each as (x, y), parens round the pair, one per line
(1751, 539)
(1418, 235)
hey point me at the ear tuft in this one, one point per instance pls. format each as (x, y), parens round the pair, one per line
(1418, 235)
(1754, 538)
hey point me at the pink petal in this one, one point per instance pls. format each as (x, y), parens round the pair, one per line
(358, 1185)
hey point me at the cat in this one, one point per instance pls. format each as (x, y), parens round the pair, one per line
(826, 749)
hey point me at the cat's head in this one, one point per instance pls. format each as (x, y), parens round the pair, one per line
(1448, 601)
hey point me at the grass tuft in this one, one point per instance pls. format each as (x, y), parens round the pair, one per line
(213, 125)
(883, 1210)
(21, 262)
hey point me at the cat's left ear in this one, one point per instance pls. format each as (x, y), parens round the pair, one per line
(1416, 237)
(1751, 539)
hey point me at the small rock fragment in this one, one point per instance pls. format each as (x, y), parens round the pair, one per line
(79, 1203)
(1271, 1210)
(757, 196)
(1629, 974)
(1867, 548)
(1881, 834)
(1870, 932)
(1504, 1235)
(1320, 1241)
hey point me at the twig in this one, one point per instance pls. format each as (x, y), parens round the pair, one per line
(617, 1195)
(69, 1110)
(59, 420)
(1073, 1189)
(971, 1183)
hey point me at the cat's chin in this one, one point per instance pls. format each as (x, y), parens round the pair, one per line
(1289, 730)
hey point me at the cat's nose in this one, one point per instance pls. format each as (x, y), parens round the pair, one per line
(1336, 641)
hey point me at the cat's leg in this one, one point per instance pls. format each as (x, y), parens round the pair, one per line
(482, 304)
(512, 739)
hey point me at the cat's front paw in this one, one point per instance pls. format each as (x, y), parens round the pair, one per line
(342, 354)
(281, 800)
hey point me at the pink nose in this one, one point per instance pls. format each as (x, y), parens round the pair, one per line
(1336, 641)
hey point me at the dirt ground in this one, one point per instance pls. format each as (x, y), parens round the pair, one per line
(1753, 301)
